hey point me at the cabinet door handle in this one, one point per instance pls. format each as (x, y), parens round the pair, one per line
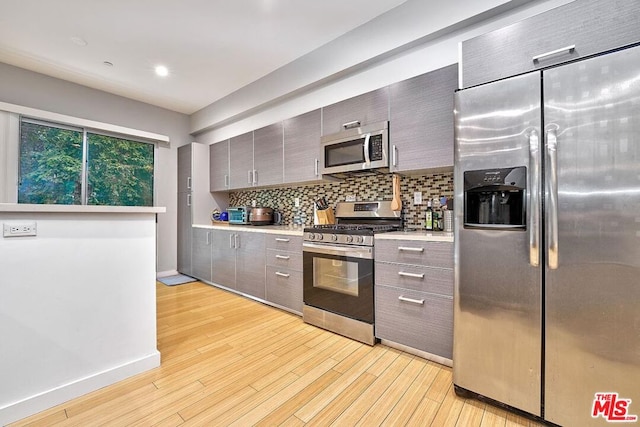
(317, 167)
(226, 181)
(283, 257)
(411, 300)
(188, 199)
(231, 240)
(188, 183)
(208, 238)
(409, 249)
(281, 239)
(255, 177)
(282, 274)
(567, 49)
(414, 275)
(236, 241)
(351, 125)
(394, 155)
(249, 177)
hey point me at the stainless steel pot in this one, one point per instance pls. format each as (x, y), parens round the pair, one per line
(263, 216)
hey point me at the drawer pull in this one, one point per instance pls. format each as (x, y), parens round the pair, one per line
(567, 49)
(282, 274)
(417, 276)
(408, 249)
(280, 239)
(411, 300)
(283, 257)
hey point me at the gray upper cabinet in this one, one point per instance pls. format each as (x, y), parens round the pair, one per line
(184, 168)
(241, 161)
(302, 147)
(267, 155)
(367, 108)
(421, 121)
(219, 166)
(574, 30)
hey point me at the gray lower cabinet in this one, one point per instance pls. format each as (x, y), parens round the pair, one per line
(223, 256)
(370, 107)
(414, 294)
(201, 253)
(284, 271)
(184, 233)
(577, 29)
(302, 147)
(238, 261)
(250, 263)
(421, 116)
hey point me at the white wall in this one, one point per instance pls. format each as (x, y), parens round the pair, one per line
(77, 307)
(26, 88)
(298, 88)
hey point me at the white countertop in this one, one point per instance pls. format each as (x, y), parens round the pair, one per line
(22, 207)
(421, 235)
(290, 230)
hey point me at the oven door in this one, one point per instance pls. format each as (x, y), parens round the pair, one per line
(339, 279)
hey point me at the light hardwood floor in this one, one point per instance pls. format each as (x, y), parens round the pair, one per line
(227, 360)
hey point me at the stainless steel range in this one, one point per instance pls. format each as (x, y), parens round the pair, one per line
(338, 268)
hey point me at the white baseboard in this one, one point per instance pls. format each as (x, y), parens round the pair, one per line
(48, 399)
(166, 273)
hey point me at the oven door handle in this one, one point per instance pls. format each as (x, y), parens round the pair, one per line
(350, 252)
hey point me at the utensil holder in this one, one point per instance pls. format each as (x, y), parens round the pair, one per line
(323, 217)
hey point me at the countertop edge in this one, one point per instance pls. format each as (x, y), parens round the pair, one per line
(74, 209)
(423, 236)
(267, 229)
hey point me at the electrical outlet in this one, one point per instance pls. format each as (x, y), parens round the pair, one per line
(253, 203)
(350, 198)
(417, 197)
(296, 202)
(20, 229)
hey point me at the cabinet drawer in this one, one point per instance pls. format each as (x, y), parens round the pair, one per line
(425, 322)
(284, 287)
(591, 26)
(433, 254)
(284, 242)
(283, 259)
(415, 277)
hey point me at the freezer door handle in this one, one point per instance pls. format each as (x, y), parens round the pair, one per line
(552, 198)
(534, 212)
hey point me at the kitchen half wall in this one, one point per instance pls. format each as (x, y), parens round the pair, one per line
(377, 187)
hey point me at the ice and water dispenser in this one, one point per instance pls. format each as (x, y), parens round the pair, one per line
(495, 198)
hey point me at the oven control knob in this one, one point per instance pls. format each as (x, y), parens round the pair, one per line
(349, 239)
(320, 236)
(334, 237)
(358, 239)
(311, 236)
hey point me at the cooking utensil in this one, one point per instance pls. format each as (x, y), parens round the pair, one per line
(396, 202)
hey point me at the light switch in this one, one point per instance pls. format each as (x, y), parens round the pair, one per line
(417, 197)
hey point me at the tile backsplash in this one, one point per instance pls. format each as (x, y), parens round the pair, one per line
(377, 187)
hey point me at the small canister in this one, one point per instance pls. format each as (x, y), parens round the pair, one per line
(448, 220)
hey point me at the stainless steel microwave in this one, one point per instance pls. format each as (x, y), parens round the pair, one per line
(356, 149)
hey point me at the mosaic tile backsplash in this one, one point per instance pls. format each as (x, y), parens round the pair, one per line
(377, 187)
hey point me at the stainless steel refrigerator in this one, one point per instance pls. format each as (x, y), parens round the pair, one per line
(547, 292)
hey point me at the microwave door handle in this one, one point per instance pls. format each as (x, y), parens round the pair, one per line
(367, 147)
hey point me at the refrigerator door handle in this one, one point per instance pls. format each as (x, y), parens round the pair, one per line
(552, 198)
(534, 213)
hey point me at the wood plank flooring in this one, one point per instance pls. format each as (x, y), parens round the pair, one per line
(230, 361)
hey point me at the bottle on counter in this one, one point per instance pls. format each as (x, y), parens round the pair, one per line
(429, 217)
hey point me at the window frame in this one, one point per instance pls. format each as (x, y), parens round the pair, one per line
(85, 130)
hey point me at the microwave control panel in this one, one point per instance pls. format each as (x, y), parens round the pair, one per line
(376, 147)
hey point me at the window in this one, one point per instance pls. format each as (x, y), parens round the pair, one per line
(116, 171)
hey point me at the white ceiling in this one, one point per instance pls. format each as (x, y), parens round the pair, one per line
(211, 47)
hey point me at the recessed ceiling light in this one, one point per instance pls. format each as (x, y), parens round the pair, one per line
(162, 71)
(107, 63)
(79, 41)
